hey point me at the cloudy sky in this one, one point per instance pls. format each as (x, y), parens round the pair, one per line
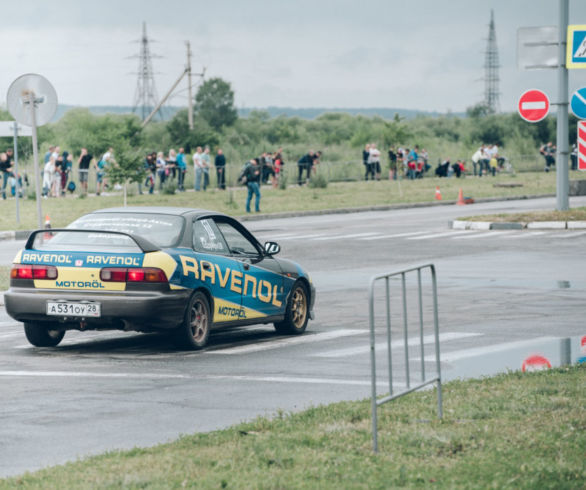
(416, 54)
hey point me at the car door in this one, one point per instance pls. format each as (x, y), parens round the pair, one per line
(262, 282)
(221, 273)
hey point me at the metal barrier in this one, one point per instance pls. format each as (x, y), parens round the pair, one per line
(424, 381)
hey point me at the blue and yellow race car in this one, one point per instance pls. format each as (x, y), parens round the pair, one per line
(187, 271)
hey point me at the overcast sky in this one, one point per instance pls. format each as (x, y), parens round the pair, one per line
(416, 54)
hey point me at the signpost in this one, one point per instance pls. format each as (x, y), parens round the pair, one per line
(578, 103)
(581, 142)
(533, 105)
(576, 47)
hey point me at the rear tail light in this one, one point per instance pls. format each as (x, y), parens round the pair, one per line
(142, 274)
(27, 271)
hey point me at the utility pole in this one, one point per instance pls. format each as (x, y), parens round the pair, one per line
(562, 172)
(189, 96)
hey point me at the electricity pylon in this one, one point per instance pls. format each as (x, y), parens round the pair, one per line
(491, 70)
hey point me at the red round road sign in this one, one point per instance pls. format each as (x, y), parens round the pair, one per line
(533, 105)
(535, 363)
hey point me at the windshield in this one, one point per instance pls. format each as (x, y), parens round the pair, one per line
(163, 230)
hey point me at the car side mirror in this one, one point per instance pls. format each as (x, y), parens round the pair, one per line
(272, 248)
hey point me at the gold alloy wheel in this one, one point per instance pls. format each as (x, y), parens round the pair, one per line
(298, 307)
(199, 321)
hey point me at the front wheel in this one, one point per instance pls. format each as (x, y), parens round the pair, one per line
(195, 329)
(297, 312)
(41, 335)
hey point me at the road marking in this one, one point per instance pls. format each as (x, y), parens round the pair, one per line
(488, 234)
(438, 235)
(490, 349)
(341, 237)
(198, 377)
(568, 235)
(394, 235)
(246, 349)
(412, 341)
(303, 237)
(526, 234)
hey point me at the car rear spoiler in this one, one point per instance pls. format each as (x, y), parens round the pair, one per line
(143, 243)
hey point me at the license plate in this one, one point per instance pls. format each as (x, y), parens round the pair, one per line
(71, 308)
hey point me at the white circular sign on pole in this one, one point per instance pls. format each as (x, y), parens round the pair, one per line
(533, 105)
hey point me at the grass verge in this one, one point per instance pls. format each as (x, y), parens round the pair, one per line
(63, 211)
(511, 431)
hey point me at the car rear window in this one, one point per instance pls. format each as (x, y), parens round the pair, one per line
(163, 230)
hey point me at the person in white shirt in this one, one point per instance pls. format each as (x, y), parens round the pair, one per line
(374, 160)
(198, 168)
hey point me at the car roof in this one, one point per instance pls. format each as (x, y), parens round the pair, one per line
(175, 211)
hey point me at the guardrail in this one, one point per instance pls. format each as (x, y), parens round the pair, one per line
(405, 341)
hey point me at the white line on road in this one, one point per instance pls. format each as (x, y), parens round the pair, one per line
(341, 237)
(246, 349)
(438, 235)
(427, 339)
(488, 234)
(490, 349)
(199, 377)
(394, 235)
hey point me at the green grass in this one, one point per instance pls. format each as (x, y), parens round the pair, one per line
(511, 431)
(336, 195)
(576, 214)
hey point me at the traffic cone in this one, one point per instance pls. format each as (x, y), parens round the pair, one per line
(460, 198)
(438, 194)
(47, 235)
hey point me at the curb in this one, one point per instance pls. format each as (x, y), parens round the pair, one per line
(534, 225)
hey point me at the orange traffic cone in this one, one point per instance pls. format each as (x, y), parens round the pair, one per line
(438, 194)
(460, 198)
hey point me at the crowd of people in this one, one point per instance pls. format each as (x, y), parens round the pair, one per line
(487, 160)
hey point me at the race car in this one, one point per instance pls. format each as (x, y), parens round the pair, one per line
(185, 271)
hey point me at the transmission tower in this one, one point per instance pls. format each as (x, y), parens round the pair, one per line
(491, 69)
(145, 96)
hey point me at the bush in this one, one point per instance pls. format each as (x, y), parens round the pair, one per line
(169, 188)
(318, 181)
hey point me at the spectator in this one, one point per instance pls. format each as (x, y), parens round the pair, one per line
(102, 181)
(278, 166)
(198, 168)
(48, 175)
(365, 161)
(171, 167)
(49, 153)
(476, 161)
(220, 164)
(268, 169)
(548, 152)
(392, 164)
(412, 158)
(316, 161)
(150, 165)
(574, 157)
(373, 162)
(206, 164)
(181, 169)
(84, 167)
(252, 176)
(66, 166)
(161, 165)
(6, 169)
(304, 164)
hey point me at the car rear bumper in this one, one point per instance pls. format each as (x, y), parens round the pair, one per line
(131, 310)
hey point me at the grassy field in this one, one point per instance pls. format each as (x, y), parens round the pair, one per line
(336, 195)
(511, 431)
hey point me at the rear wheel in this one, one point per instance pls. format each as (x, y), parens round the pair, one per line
(43, 335)
(195, 330)
(297, 312)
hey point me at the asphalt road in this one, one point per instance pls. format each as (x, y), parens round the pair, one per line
(103, 391)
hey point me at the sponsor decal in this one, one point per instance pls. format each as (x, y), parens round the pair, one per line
(234, 280)
(535, 363)
(79, 284)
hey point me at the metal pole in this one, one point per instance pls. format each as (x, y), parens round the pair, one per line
(562, 173)
(16, 171)
(163, 100)
(33, 108)
(373, 368)
(438, 365)
(421, 345)
(389, 345)
(405, 330)
(189, 96)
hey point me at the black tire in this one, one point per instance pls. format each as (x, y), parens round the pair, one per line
(43, 335)
(297, 312)
(194, 332)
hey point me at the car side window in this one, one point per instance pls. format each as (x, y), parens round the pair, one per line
(207, 238)
(237, 242)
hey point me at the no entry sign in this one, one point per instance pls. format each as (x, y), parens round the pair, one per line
(581, 145)
(533, 105)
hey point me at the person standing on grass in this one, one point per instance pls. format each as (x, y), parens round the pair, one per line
(181, 169)
(84, 161)
(392, 164)
(205, 166)
(197, 168)
(252, 176)
(220, 164)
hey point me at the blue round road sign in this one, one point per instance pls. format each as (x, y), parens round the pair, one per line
(578, 103)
